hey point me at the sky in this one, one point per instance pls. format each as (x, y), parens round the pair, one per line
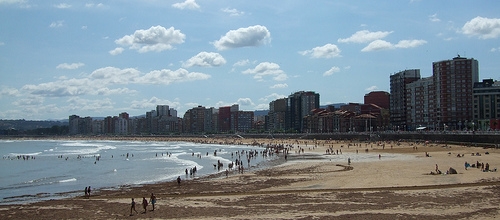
(101, 58)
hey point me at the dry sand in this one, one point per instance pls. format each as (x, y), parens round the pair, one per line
(310, 186)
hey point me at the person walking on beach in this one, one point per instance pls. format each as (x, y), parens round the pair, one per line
(86, 194)
(152, 200)
(132, 207)
(88, 191)
(144, 204)
(179, 180)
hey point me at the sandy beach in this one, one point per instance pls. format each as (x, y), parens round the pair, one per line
(394, 183)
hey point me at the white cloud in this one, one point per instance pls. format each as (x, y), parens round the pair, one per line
(93, 5)
(56, 24)
(100, 81)
(156, 38)
(484, 28)
(384, 45)
(69, 66)
(244, 37)
(233, 11)
(272, 96)
(410, 43)
(188, 4)
(152, 103)
(2, 43)
(331, 71)
(12, 1)
(495, 49)
(267, 69)
(9, 92)
(205, 59)
(371, 88)
(116, 51)
(245, 102)
(97, 105)
(365, 36)
(242, 63)
(378, 45)
(62, 6)
(166, 76)
(434, 18)
(279, 86)
(84, 27)
(325, 51)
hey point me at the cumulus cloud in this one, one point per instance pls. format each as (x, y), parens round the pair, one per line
(56, 24)
(371, 88)
(331, 71)
(267, 69)
(156, 38)
(242, 63)
(245, 102)
(9, 92)
(101, 81)
(365, 36)
(152, 103)
(188, 4)
(116, 51)
(494, 49)
(434, 18)
(272, 96)
(410, 43)
(325, 51)
(244, 37)
(233, 11)
(384, 45)
(62, 6)
(483, 28)
(69, 66)
(279, 86)
(205, 59)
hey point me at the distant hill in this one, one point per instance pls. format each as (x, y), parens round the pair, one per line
(23, 125)
(260, 112)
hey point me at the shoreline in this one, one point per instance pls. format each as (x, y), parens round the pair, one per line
(301, 188)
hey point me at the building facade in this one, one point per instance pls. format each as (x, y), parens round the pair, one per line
(453, 83)
(398, 105)
(486, 106)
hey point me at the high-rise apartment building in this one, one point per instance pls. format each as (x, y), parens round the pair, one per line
(162, 110)
(419, 104)
(453, 83)
(300, 104)
(398, 104)
(486, 105)
(277, 114)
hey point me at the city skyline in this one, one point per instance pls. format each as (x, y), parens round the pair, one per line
(99, 59)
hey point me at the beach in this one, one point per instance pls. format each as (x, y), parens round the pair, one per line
(392, 181)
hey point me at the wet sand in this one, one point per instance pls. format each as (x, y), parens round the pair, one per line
(308, 185)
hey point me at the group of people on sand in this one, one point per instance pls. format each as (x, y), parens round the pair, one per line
(145, 204)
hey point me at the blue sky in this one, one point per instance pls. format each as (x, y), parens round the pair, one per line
(101, 58)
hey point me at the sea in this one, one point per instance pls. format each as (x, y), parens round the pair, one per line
(35, 170)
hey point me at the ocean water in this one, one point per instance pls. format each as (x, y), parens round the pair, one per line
(33, 170)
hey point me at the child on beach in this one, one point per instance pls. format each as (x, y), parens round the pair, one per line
(132, 207)
(144, 203)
